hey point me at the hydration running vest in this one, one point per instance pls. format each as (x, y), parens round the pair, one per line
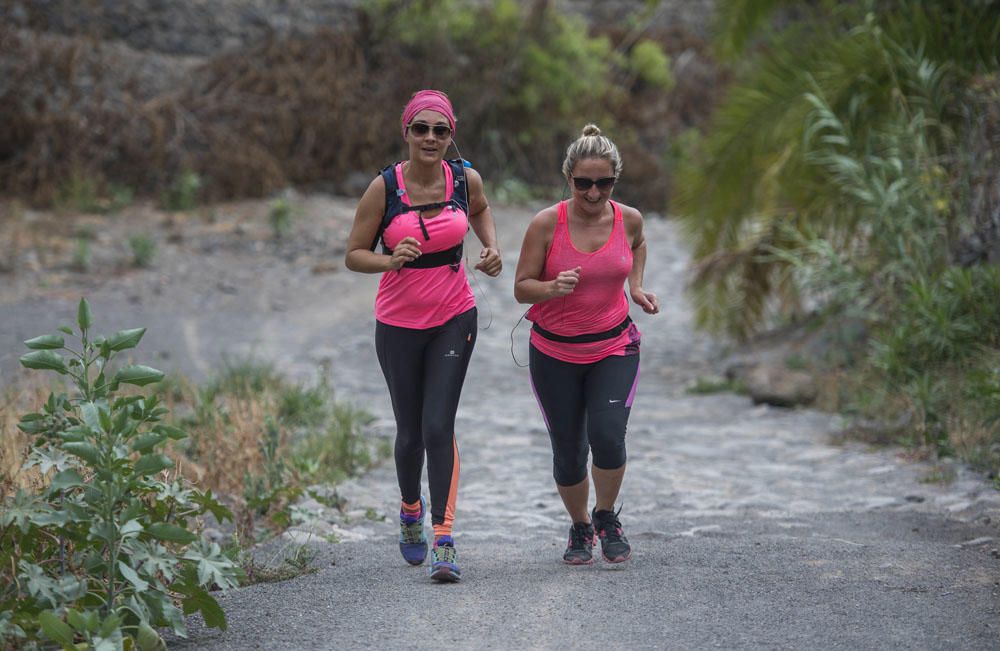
(395, 206)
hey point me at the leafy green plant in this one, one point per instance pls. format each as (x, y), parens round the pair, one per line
(648, 63)
(339, 450)
(82, 193)
(119, 196)
(984, 388)
(79, 192)
(143, 250)
(272, 490)
(183, 192)
(514, 191)
(106, 552)
(710, 385)
(300, 406)
(280, 217)
(242, 378)
(81, 254)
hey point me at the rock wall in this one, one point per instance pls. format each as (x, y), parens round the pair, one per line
(205, 27)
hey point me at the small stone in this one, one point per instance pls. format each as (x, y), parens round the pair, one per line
(976, 542)
(915, 498)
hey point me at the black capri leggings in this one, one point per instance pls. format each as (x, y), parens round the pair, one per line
(424, 370)
(585, 406)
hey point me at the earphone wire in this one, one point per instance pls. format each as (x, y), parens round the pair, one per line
(512, 330)
(481, 288)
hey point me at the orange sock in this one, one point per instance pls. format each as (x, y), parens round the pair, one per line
(412, 510)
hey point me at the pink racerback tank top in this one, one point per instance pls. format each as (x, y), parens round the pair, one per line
(425, 298)
(598, 302)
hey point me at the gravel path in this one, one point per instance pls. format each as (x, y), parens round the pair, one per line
(751, 528)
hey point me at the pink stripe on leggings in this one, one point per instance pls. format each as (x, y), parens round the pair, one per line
(631, 393)
(540, 407)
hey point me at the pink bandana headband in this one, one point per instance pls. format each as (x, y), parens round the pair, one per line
(428, 100)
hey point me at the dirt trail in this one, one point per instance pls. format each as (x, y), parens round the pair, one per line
(750, 528)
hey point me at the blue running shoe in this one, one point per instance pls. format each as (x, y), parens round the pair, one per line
(412, 541)
(444, 566)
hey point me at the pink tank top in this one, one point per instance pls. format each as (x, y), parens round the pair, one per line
(597, 304)
(425, 298)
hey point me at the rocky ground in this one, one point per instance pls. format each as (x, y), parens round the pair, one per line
(753, 526)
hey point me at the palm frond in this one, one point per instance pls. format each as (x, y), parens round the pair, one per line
(879, 84)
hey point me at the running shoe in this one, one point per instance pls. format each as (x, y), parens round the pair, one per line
(412, 541)
(581, 542)
(444, 565)
(614, 544)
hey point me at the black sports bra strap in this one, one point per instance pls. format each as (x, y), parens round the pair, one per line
(427, 206)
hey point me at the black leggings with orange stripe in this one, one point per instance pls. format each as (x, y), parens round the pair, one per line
(424, 370)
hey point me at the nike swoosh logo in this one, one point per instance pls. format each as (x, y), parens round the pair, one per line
(613, 401)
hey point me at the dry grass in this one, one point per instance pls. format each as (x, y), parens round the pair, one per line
(224, 435)
(226, 447)
(975, 441)
(15, 444)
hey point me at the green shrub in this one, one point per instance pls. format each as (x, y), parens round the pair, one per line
(81, 254)
(300, 406)
(650, 64)
(82, 193)
(938, 349)
(945, 319)
(243, 378)
(338, 450)
(513, 191)
(143, 250)
(280, 217)
(78, 193)
(104, 554)
(183, 192)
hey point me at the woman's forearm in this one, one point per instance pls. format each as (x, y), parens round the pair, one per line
(638, 267)
(367, 262)
(532, 290)
(484, 228)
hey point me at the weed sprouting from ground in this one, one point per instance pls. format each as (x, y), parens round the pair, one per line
(143, 250)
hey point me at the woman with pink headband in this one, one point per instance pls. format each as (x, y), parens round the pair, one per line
(425, 313)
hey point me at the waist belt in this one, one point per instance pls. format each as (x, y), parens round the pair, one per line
(448, 258)
(584, 338)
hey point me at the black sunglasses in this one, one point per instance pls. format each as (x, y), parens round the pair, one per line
(421, 129)
(583, 184)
